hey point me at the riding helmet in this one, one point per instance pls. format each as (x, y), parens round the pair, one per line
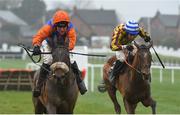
(132, 27)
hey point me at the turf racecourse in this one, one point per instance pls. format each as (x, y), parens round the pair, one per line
(166, 94)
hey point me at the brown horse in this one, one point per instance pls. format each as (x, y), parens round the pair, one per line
(60, 92)
(133, 81)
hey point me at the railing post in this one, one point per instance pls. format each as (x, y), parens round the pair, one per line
(101, 72)
(172, 76)
(92, 78)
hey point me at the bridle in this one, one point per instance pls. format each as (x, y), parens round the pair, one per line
(137, 70)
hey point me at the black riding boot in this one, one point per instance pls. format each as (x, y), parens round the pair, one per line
(80, 82)
(115, 71)
(44, 70)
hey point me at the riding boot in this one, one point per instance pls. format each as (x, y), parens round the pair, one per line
(44, 70)
(102, 86)
(102, 83)
(115, 71)
(80, 82)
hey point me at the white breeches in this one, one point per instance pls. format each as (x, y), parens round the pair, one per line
(47, 58)
(120, 55)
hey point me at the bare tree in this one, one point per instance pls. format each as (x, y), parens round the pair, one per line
(60, 5)
(80, 4)
(9, 4)
(84, 4)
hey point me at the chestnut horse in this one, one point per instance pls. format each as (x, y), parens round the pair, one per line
(60, 92)
(133, 81)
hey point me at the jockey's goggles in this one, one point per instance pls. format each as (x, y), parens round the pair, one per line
(62, 24)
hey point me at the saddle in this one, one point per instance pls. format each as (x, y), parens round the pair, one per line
(121, 66)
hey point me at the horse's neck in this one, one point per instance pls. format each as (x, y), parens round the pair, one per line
(72, 78)
(134, 73)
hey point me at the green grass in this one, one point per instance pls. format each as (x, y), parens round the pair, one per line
(165, 93)
(15, 102)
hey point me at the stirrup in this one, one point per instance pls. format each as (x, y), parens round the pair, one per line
(102, 87)
(102, 84)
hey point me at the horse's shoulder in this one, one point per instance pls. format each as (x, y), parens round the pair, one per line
(106, 67)
(111, 60)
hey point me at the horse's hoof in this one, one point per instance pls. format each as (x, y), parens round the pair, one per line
(101, 88)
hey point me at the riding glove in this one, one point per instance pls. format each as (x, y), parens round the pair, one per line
(129, 47)
(147, 39)
(36, 50)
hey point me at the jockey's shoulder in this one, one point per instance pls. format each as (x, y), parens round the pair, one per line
(143, 32)
(120, 26)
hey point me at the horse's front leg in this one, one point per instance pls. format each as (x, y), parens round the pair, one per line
(150, 102)
(130, 108)
(38, 106)
(112, 94)
(51, 109)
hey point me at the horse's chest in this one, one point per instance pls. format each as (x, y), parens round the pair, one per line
(58, 99)
(57, 95)
(61, 101)
(136, 94)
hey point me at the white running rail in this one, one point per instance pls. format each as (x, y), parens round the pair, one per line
(92, 68)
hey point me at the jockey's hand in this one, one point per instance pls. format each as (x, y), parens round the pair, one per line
(36, 50)
(147, 39)
(129, 47)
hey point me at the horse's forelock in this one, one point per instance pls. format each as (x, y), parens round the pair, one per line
(61, 54)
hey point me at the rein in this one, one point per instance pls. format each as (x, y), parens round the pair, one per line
(132, 67)
(31, 55)
(28, 53)
(138, 71)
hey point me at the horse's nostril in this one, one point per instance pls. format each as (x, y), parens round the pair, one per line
(144, 74)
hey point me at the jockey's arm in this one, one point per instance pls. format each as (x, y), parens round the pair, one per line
(42, 34)
(117, 35)
(143, 34)
(72, 38)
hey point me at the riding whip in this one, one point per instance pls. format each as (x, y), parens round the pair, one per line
(158, 57)
(84, 54)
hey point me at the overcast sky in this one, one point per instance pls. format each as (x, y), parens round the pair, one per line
(131, 9)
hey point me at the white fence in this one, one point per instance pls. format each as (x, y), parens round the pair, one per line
(100, 66)
(92, 67)
(161, 72)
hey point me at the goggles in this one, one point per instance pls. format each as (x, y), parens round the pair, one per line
(62, 24)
